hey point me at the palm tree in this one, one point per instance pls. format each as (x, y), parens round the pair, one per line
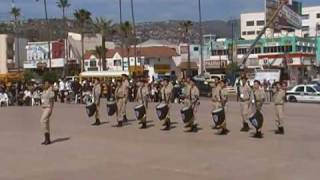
(100, 52)
(63, 4)
(104, 27)
(16, 13)
(82, 18)
(126, 31)
(186, 26)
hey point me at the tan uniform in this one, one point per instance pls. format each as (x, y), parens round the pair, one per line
(245, 93)
(47, 100)
(279, 100)
(121, 94)
(126, 85)
(259, 98)
(216, 98)
(224, 100)
(192, 99)
(142, 97)
(96, 92)
(166, 93)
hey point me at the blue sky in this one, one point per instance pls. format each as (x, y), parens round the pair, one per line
(145, 10)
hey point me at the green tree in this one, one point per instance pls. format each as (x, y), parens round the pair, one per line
(126, 31)
(63, 5)
(16, 13)
(100, 53)
(104, 27)
(50, 76)
(83, 17)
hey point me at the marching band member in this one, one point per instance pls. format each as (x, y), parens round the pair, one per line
(245, 94)
(216, 98)
(96, 92)
(223, 101)
(279, 100)
(47, 100)
(258, 100)
(192, 100)
(143, 97)
(166, 93)
(125, 83)
(120, 95)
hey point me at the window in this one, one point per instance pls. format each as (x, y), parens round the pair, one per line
(250, 23)
(318, 27)
(250, 32)
(305, 28)
(305, 16)
(300, 89)
(117, 62)
(318, 15)
(260, 23)
(244, 33)
(310, 89)
(93, 63)
(196, 49)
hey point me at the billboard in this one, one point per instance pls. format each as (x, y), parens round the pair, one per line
(38, 55)
(289, 17)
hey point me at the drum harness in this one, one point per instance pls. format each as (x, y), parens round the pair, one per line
(193, 105)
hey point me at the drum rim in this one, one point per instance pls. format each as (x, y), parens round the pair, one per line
(217, 110)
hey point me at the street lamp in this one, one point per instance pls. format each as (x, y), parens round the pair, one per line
(202, 68)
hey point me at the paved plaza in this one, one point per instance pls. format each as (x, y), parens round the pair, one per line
(83, 152)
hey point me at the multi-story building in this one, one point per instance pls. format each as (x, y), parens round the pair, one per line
(300, 56)
(253, 23)
(12, 53)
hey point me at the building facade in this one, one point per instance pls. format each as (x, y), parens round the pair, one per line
(253, 23)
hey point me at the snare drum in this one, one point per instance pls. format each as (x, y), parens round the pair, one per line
(218, 116)
(140, 111)
(162, 111)
(91, 108)
(111, 108)
(256, 120)
(187, 114)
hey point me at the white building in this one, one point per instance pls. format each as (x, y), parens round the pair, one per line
(252, 23)
(154, 61)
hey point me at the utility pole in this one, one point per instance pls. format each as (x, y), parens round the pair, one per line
(49, 31)
(134, 35)
(202, 68)
(273, 18)
(122, 54)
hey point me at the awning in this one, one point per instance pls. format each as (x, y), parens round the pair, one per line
(184, 65)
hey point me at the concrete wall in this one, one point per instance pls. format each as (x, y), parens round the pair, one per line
(3, 54)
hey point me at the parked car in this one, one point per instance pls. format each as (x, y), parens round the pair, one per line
(316, 81)
(204, 87)
(304, 93)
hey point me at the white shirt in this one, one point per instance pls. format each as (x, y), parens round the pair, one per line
(61, 86)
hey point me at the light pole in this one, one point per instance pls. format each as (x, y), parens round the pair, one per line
(121, 33)
(202, 68)
(49, 31)
(134, 35)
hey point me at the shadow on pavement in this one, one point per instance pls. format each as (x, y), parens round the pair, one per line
(60, 140)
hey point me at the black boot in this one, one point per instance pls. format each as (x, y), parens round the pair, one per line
(224, 131)
(245, 127)
(187, 126)
(46, 139)
(97, 123)
(168, 126)
(144, 125)
(193, 128)
(120, 124)
(258, 135)
(280, 131)
(125, 119)
(215, 127)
